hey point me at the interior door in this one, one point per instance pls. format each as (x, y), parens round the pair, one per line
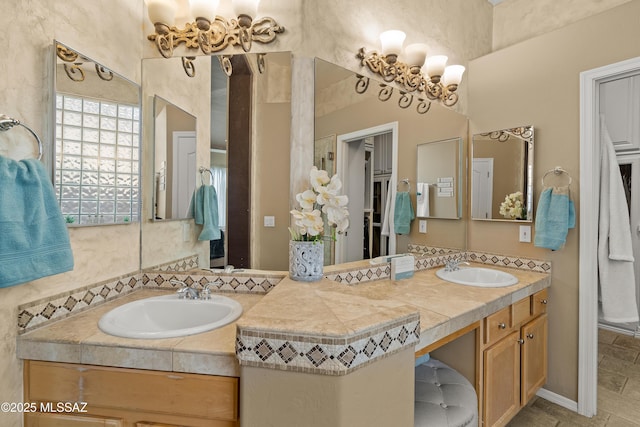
(630, 171)
(184, 172)
(354, 187)
(482, 191)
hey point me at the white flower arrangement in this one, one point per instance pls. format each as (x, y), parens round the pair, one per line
(513, 206)
(322, 199)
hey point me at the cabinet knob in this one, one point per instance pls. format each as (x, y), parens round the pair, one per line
(520, 341)
(530, 336)
(544, 301)
(502, 325)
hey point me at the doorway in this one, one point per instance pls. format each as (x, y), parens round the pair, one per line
(352, 150)
(588, 274)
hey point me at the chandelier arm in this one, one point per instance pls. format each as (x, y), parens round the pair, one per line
(74, 71)
(423, 106)
(405, 100)
(362, 84)
(104, 73)
(385, 93)
(189, 66)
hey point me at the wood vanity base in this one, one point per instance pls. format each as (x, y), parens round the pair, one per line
(119, 397)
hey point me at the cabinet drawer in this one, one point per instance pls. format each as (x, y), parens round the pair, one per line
(521, 311)
(539, 302)
(497, 325)
(133, 390)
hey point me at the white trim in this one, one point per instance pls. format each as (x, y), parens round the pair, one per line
(341, 166)
(588, 274)
(552, 397)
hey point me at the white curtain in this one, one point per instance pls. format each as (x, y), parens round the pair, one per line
(219, 181)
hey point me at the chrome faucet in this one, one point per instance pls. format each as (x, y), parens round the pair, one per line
(188, 292)
(185, 290)
(453, 264)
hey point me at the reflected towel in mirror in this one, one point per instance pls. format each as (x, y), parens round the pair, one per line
(204, 209)
(403, 214)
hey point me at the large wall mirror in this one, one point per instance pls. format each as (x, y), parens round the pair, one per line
(342, 110)
(502, 175)
(240, 125)
(175, 142)
(439, 179)
(97, 141)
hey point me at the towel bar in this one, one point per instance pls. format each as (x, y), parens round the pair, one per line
(7, 123)
(556, 171)
(203, 170)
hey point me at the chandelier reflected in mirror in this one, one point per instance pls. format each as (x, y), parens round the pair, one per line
(412, 70)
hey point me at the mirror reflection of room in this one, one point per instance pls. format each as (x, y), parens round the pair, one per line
(174, 160)
(97, 134)
(501, 181)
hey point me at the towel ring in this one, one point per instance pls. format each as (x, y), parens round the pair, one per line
(404, 181)
(557, 171)
(203, 170)
(7, 123)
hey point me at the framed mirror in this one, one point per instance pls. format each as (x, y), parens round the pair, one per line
(439, 179)
(175, 168)
(502, 175)
(96, 171)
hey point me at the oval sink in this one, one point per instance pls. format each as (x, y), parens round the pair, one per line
(168, 316)
(478, 276)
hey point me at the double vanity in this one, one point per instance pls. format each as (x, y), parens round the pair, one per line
(298, 350)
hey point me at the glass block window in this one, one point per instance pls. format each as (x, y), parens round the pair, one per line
(97, 160)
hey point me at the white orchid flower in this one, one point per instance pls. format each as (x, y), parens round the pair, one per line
(318, 178)
(306, 199)
(308, 222)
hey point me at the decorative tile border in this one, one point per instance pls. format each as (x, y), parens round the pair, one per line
(324, 355)
(430, 250)
(237, 282)
(521, 263)
(184, 264)
(56, 307)
(36, 313)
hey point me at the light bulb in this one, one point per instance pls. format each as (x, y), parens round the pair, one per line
(434, 67)
(204, 9)
(452, 75)
(415, 54)
(162, 11)
(246, 7)
(391, 42)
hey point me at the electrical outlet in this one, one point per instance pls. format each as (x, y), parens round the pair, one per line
(525, 233)
(422, 225)
(269, 221)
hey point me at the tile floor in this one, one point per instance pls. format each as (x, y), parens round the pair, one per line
(618, 390)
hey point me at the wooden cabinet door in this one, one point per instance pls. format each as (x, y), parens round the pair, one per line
(502, 381)
(534, 357)
(42, 419)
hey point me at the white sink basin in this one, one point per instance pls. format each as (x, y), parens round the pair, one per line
(168, 316)
(478, 276)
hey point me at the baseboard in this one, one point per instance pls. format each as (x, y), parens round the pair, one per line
(616, 329)
(557, 399)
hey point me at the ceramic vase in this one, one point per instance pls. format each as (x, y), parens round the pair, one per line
(306, 260)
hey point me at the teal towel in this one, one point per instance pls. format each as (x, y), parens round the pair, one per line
(204, 209)
(403, 214)
(554, 217)
(423, 359)
(34, 241)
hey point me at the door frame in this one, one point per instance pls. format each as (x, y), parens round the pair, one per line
(341, 166)
(588, 273)
(489, 161)
(177, 137)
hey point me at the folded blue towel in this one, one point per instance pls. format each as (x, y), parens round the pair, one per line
(403, 214)
(204, 209)
(34, 241)
(423, 359)
(555, 215)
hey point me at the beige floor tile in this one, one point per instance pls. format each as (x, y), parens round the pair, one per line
(632, 390)
(622, 406)
(631, 370)
(606, 337)
(627, 341)
(611, 380)
(567, 417)
(623, 353)
(532, 417)
(615, 421)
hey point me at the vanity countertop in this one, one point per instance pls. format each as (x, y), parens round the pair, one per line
(321, 321)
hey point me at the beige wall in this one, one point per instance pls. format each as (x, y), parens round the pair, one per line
(507, 88)
(29, 27)
(518, 20)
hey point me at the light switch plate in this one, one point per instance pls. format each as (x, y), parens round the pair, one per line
(269, 221)
(525, 233)
(422, 225)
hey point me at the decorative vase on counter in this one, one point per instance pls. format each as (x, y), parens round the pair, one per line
(306, 260)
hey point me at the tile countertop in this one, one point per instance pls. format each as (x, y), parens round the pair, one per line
(311, 327)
